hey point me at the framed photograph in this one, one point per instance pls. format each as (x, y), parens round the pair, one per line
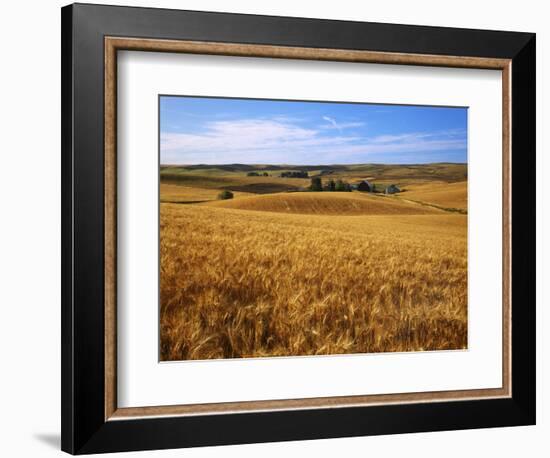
(281, 228)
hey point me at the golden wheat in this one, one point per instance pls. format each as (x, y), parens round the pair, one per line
(173, 193)
(238, 283)
(326, 203)
(450, 195)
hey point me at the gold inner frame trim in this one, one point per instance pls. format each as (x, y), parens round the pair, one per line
(114, 44)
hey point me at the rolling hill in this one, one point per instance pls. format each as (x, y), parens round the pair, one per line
(334, 203)
(454, 195)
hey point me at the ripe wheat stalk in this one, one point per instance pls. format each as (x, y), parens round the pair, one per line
(237, 283)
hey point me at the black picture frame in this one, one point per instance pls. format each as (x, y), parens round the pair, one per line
(84, 429)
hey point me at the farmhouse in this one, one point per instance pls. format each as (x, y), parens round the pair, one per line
(364, 186)
(392, 189)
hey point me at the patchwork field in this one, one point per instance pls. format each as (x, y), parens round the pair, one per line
(307, 273)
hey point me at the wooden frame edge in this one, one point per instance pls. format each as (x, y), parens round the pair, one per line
(112, 45)
(130, 413)
(507, 227)
(110, 197)
(290, 52)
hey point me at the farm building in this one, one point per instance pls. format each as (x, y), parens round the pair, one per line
(364, 186)
(392, 189)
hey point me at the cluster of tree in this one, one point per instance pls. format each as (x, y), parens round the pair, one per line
(257, 174)
(224, 195)
(294, 174)
(329, 186)
(325, 172)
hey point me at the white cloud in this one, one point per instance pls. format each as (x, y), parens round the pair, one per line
(420, 136)
(340, 126)
(236, 135)
(332, 121)
(278, 140)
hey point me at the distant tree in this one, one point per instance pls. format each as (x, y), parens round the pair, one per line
(225, 195)
(266, 174)
(364, 186)
(341, 186)
(295, 174)
(252, 174)
(316, 184)
(331, 186)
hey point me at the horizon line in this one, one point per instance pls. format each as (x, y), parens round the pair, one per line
(312, 164)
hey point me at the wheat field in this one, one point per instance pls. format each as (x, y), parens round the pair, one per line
(328, 203)
(450, 195)
(291, 274)
(172, 193)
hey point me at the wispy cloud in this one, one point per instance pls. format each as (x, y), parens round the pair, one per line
(340, 125)
(416, 136)
(279, 140)
(332, 121)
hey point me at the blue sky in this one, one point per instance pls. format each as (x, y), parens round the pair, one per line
(197, 130)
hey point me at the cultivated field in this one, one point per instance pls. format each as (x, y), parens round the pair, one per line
(326, 203)
(171, 193)
(278, 273)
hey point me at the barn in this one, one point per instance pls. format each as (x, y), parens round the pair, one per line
(392, 189)
(364, 186)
